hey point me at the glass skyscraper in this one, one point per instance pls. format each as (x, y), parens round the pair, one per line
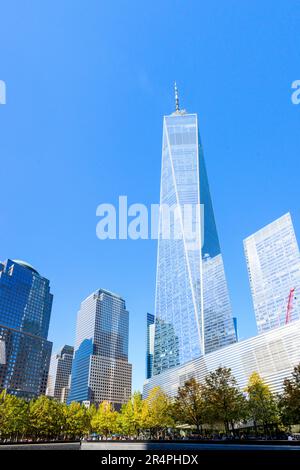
(100, 368)
(150, 345)
(273, 262)
(59, 378)
(192, 307)
(25, 309)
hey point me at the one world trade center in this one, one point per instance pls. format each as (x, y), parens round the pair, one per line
(192, 307)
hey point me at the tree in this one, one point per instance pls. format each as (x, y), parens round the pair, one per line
(76, 420)
(189, 405)
(261, 402)
(91, 412)
(130, 417)
(223, 400)
(156, 412)
(289, 402)
(13, 416)
(105, 420)
(46, 417)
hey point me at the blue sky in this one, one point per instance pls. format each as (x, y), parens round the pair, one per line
(87, 86)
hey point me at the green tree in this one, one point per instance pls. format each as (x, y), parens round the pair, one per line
(91, 412)
(189, 404)
(289, 401)
(76, 420)
(224, 402)
(105, 420)
(157, 412)
(46, 417)
(261, 402)
(130, 422)
(13, 416)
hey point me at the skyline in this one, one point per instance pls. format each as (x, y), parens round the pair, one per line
(62, 133)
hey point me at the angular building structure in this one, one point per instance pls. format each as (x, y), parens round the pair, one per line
(59, 377)
(100, 368)
(272, 354)
(273, 262)
(192, 307)
(25, 309)
(194, 330)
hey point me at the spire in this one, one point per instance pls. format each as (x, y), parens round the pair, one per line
(176, 97)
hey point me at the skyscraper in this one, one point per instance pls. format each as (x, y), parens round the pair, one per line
(192, 307)
(25, 309)
(100, 368)
(150, 345)
(59, 378)
(273, 262)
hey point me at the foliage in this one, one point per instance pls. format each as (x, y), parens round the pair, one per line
(157, 412)
(13, 416)
(217, 400)
(105, 419)
(76, 420)
(289, 402)
(130, 422)
(223, 400)
(46, 417)
(261, 403)
(189, 404)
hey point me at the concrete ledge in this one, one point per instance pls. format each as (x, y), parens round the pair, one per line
(190, 445)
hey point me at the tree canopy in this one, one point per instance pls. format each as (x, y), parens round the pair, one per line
(216, 402)
(289, 402)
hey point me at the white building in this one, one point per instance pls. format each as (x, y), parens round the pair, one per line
(273, 262)
(272, 354)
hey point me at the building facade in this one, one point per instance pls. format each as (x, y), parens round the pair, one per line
(59, 377)
(273, 262)
(25, 309)
(149, 344)
(272, 354)
(192, 307)
(100, 369)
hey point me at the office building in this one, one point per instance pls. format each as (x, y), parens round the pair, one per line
(150, 345)
(100, 369)
(273, 262)
(59, 378)
(192, 306)
(25, 309)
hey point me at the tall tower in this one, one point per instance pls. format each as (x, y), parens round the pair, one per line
(25, 309)
(59, 377)
(192, 307)
(150, 344)
(273, 262)
(100, 369)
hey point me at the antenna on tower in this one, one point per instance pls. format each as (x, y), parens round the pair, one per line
(176, 98)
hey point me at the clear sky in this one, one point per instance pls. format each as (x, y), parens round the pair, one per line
(87, 85)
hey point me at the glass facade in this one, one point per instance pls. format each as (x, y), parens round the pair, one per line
(192, 308)
(150, 345)
(60, 374)
(272, 354)
(273, 262)
(25, 309)
(100, 368)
